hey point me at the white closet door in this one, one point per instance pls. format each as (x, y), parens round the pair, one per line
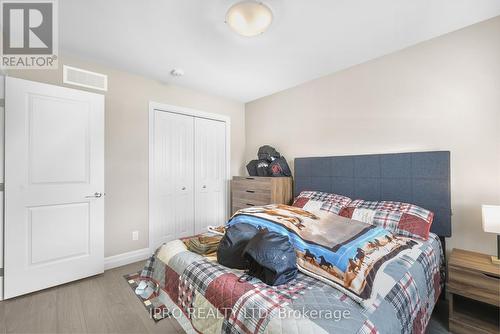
(173, 161)
(210, 173)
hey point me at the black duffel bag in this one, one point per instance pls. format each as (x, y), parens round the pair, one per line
(271, 258)
(263, 168)
(232, 245)
(279, 167)
(252, 167)
(268, 153)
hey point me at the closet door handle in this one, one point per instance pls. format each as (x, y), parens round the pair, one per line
(183, 188)
(95, 195)
(204, 187)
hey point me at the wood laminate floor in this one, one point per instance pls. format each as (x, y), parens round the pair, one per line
(104, 304)
(99, 304)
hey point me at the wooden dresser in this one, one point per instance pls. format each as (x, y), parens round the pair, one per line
(254, 191)
(474, 285)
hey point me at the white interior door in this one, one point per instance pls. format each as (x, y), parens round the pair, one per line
(54, 164)
(172, 182)
(210, 173)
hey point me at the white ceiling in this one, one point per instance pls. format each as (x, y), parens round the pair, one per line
(308, 38)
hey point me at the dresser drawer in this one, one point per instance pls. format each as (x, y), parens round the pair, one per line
(248, 191)
(252, 196)
(248, 203)
(239, 206)
(256, 185)
(474, 284)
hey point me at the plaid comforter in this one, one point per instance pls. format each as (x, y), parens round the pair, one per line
(206, 297)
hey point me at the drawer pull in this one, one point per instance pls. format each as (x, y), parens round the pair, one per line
(249, 204)
(250, 191)
(491, 276)
(249, 178)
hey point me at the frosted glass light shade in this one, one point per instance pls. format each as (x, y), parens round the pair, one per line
(491, 218)
(249, 18)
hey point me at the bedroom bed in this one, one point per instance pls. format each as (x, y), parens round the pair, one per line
(206, 297)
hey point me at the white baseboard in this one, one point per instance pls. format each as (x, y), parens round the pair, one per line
(111, 262)
(123, 259)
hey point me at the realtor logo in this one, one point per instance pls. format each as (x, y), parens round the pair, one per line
(29, 32)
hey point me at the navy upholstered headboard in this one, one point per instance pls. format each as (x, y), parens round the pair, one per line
(421, 178)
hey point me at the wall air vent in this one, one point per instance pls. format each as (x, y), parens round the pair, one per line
(83, 78)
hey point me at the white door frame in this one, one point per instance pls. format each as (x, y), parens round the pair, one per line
(155, 106)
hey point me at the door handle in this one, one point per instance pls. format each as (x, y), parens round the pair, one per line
(204, 187)
(95, 195)
(183, 188)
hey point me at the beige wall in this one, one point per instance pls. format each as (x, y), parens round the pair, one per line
(443, 94)
(439, 95)
(127, 143)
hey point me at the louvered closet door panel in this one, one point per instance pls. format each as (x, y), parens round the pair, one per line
(210, 171)
(174, 184)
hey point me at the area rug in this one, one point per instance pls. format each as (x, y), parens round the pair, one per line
(156, 309)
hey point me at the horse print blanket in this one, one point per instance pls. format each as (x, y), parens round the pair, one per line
(339, 251)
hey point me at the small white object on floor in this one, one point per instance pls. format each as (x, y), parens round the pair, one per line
(141, 287)
(145, 289)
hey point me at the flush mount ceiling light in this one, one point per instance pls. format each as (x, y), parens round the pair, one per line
(249, 18)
